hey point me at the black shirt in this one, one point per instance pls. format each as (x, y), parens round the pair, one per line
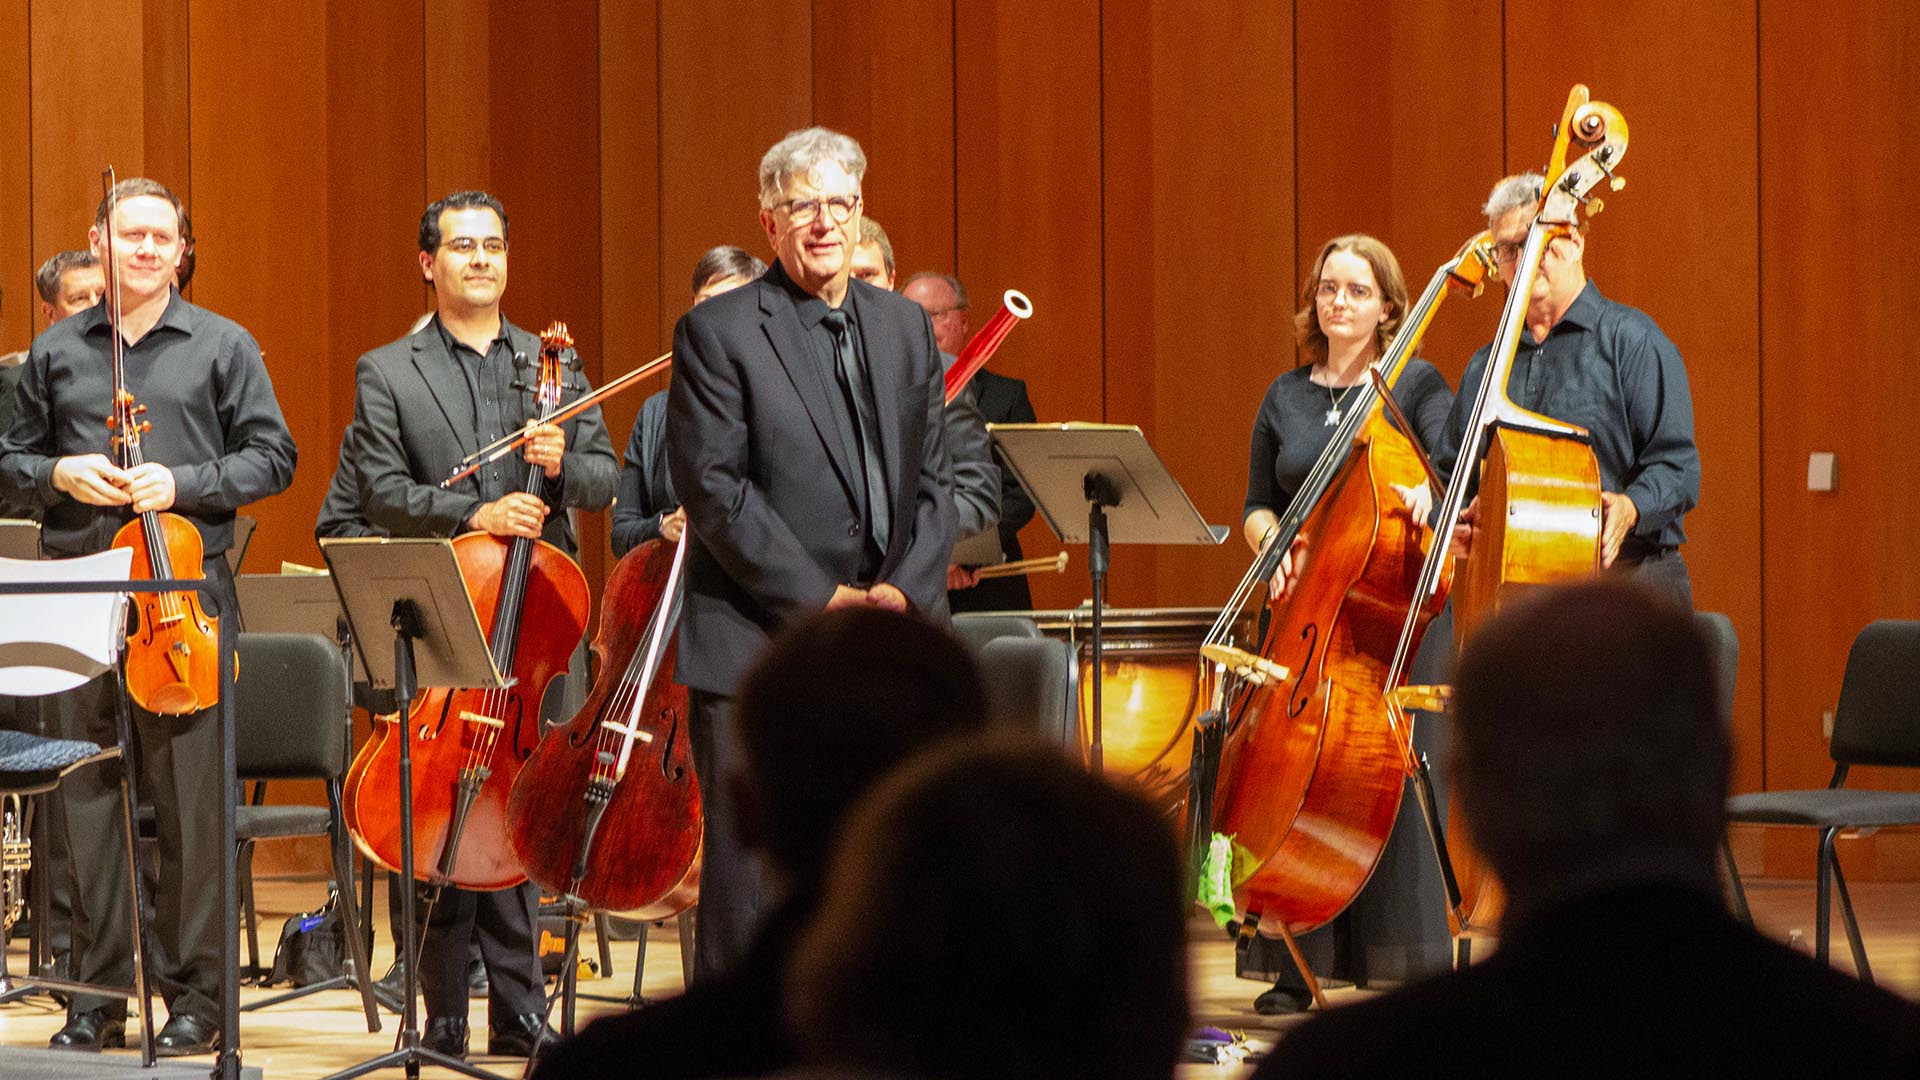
(1609, 369)
(1291, 430)
(646, 491)
(216, 422)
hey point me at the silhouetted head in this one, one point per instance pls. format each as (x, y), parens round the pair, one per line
(995, 911)
(1588, 747)
(836, 701)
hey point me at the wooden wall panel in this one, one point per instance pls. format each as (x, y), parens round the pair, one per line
(376, 171)
(459, 95)
(1199, 237)
(634, 286)
(262, 228)
(1401, 141)
(546, 168)
(883, 73)
(18, 323)
(165, 115)
(735, 75)
(88, 96)
(1838, 357)
(1028, 200)
(1681, 243)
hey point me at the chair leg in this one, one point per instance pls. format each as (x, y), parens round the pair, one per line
(1823, 895)
(1736, 889)
(245, 858)
(640, 958)
(602, 936)
(1851, 925)
(343, 886)
(687, 932)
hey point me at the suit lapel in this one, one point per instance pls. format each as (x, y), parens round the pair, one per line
(447, 383)
(789, 343)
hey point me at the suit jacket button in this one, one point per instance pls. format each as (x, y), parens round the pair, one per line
(853, 530)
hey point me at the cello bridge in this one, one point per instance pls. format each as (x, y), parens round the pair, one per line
(621, 729)
(484, 721)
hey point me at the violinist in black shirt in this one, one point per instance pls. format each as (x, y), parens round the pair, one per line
(218, 442)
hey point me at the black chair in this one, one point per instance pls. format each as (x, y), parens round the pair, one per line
(977, 630)
(53, 644)
(1875, 723)
(293, 723)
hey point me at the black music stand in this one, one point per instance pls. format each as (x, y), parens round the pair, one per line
(410, 589)
(1129, 496)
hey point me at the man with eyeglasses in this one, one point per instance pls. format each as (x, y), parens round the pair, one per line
(1587, 360)
(804, 428)
(420, 405)
(1001, 399)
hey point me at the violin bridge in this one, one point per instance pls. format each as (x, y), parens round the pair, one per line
(484, 721)
(622, 729)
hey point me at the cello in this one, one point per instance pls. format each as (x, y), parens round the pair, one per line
(607, 810)
(173, 648)
(1310, 773)
(468, 745)
(1539, 483)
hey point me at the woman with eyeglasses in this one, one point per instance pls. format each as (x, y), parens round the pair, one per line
(1354, 299)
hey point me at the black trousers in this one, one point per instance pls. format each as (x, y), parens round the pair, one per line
(178, 758)
(733, 892)
(501, 922)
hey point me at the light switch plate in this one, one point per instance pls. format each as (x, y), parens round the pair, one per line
(1821, 468)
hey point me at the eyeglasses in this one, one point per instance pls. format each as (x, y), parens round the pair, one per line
(467, 245)
(1357, 293)
(1508, 251)
(804, 211)
(935, 313)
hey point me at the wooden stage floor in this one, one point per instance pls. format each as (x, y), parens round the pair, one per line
(323, 1033)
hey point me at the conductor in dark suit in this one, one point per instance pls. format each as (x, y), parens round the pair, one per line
(804, 438)
(420, 405)
(1591, 764)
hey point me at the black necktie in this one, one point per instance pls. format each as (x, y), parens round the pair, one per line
(853, 383)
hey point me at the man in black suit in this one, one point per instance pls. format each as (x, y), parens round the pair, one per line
(1001, 400)
(1591, 765)
(420, 404)
(804, 428)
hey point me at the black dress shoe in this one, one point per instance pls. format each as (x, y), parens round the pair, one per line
(1282, 1000)
(516, 1037)
(90, 1031)
(446, 1035)
(186, 1034)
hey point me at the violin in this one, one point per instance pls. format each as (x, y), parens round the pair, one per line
(469, 745)
(173, 657)
(1538, 480)
(1309, 753)
(607, 810)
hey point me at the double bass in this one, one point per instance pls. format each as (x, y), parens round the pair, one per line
(1538, 481)
(607, 810)
(173, 647)
(1312, 769)
(468, 745)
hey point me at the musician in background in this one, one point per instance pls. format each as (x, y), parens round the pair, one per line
(1584, 359)
(1001, 400)
(1353, 301)
(69, 283)
(975, 479)
(806, 421)
(419, 402)
(218, 442)
(646, 508)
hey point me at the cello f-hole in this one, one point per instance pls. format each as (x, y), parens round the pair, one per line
(1302, 695)
(667, 769)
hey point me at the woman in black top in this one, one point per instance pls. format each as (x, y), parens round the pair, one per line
(1354, 300)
